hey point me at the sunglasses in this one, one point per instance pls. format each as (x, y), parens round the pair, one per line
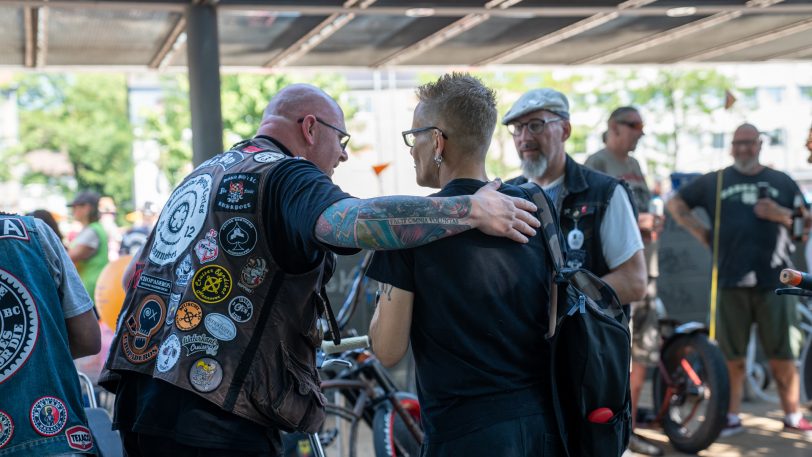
(634, 125)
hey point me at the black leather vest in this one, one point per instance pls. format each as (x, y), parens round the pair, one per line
(584, 206)
(209, 311)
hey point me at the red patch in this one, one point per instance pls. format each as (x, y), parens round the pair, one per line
(139, 268)
(79, 438)
(252, 148)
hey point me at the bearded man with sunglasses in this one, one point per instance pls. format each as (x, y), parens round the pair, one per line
(624, 130)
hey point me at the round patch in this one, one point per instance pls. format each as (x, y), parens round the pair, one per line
(238, 236)
(205, 374)
(168, 354)
(181, 220)
(211, 284)
(19, 325)
(189, 316)
(6, 429)
(268, 157)
(49, 416)
(240, 309)
(220, 327)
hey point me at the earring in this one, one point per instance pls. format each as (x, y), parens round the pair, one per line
(438, 160)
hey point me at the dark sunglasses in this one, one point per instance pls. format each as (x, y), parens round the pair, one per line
(343, 137)
(409, 135)
(634, 125)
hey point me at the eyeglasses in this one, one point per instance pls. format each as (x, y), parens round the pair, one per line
(634, 125)
(343, 137)
(743, 143)
(409, 135)
(534, 126)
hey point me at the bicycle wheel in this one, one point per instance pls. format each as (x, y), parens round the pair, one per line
(339, 432)
(698, 393)
(389, 432)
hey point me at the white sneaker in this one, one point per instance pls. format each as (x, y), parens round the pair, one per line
(733, 427)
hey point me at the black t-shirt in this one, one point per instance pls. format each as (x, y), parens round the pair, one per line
(478, 325)
(752, 251)
(297, 193)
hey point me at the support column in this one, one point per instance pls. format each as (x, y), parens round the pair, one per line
(202, 55)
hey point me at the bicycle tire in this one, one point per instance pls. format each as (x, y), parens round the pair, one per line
(389, 433)
(338, 434)
(707, 362)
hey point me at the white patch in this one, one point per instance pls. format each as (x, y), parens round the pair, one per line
(181, 220)
(220, 326)
(268, 157)
(575, 239)
(19, 325)
(168, 354)
(240, 309)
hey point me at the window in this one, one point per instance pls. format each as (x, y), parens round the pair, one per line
(806, 92)
(749, 98)
(778, 137)
(718, 141)
(775, 94)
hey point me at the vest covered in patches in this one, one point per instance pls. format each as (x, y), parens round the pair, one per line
(209, 311)
(41, 409)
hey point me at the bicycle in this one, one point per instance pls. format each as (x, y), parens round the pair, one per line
(691, 389)
(360, 390)
(803, 288)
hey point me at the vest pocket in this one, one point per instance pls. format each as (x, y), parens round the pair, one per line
(300, 403)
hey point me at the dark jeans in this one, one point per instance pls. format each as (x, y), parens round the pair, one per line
(531, 436)
(143, 445)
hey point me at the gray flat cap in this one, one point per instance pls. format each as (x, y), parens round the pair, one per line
(538, 99)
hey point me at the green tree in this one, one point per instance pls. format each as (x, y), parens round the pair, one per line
(85, 117)
(244, 97)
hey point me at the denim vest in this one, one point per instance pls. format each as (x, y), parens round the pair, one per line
(587, 195)
(41, 409)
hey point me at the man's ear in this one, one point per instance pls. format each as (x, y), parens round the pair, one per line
(308, 129)
(566, 130)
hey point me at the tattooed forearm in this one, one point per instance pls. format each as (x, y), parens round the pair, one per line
(393, 222)
(385, 289)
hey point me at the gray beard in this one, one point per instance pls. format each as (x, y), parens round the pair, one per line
(745, 167)
(534, 168)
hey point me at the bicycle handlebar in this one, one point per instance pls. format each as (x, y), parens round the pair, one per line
(347, 344)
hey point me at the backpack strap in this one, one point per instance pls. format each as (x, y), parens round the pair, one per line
(552, 234)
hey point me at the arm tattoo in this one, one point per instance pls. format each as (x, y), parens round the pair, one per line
(393, 222)
(385, 289)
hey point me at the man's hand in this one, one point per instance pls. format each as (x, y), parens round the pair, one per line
(768, 209)
(497, 214)
(650, 225)
(683, 216)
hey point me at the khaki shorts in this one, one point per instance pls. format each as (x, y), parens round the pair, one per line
(776, 316)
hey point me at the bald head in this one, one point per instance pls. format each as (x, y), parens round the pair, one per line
(745, 149)
(746, 128)
(298, 100)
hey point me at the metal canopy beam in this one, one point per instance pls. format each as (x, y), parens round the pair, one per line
(170, 44)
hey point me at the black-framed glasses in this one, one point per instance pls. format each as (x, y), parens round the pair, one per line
(409, 135)
(534, 126)
(343, 137)
(744, 143)
(634, 125)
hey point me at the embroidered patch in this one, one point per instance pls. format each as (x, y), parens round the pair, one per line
(19, 325)
(211, 284)
(238, 236)
(49, 416)
(6, 429)
(220, 327)
(181, 220)
(205, 374)
(200, 342)
(168, 354)
(79, 438)
(206, 249)
(240, 309)
(136, 277)
(174, 301)
(225, 160)
(268, 157)
(237, 193)
(184, 271)
(13, 227)
(142, 325)
(189, 316)
(253, 273)
(251, 149)
(154, 284)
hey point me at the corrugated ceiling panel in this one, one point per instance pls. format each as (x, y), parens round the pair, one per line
(729, 32)
(252, 40)
(796, 42)
(105, 37)
(606, 37)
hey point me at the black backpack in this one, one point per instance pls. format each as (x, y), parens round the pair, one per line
(590, 348)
